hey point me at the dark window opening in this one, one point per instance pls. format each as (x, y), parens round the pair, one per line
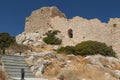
(114, 25)
(70, 33)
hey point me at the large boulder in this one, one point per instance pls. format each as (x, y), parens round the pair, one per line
(34, 39)
(40, 66)
(30, 60)
(116, 73)
(45, 54)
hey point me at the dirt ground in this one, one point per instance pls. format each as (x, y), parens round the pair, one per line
(2, 73)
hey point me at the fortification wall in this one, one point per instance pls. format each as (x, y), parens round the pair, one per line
(114, 23)
(39, 20)
(82, 29)
(73, 31)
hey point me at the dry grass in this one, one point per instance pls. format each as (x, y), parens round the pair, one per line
(76, 71)
(2, 75)
(17, 48)
(83, 70)
(80, 72)
(44, 48)
(53, 70)
(80, 68)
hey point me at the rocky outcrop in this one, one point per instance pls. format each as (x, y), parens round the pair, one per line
(71, 67)
(33, 39)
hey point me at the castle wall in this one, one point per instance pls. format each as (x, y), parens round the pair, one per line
(83, 30)
(114, 23)
(73, 31)
(38, 21)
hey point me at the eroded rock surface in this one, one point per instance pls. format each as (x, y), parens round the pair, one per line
(71, 67)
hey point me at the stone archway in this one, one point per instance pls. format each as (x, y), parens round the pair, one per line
(70, 33)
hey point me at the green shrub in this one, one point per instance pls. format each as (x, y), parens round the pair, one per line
(51, 38)
(67, 50)
(92, 48)
(88, 48)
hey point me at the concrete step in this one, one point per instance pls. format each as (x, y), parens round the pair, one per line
(12, 56)
(16, 64)
(18, 70)
(14, 61)
(19, 75)
(14, 78)
(15, 67)
(18, 59)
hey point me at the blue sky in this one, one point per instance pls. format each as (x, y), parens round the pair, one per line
(14, 12)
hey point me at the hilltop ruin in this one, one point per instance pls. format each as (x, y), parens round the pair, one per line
(73, 30)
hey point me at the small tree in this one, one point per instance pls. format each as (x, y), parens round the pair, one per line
(51, 38)
(6, 40)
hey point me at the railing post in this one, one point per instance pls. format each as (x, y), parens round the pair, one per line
(22, 74)
(3, 50)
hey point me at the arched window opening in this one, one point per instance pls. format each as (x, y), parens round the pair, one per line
(70, 33)
(114, 25)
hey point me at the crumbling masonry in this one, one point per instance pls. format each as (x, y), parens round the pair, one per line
(73, 30)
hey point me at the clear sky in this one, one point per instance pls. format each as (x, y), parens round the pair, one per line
(14, 12)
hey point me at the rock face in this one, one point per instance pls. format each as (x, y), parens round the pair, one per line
(73, 30)
(71, 67)
(30, 39)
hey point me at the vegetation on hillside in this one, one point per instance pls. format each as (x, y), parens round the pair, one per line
(9, 42)
(51, 38)
(19, 48)
(88, 48)
(6, 40)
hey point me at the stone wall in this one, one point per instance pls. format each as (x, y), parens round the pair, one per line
(39, 21)
(73, 30)
(114, 23)
(82, 29)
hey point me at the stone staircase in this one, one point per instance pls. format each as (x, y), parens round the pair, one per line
(13, 65)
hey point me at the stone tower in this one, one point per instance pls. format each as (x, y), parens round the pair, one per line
(39, 21)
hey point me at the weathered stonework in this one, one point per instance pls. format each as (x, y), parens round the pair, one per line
(73, 30)
(39, 21)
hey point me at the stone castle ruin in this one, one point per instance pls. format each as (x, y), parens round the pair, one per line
(73, 30)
